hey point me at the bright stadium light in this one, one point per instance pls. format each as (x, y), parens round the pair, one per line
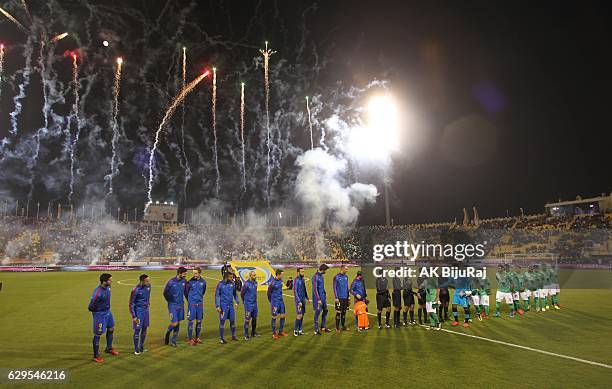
(378, 138)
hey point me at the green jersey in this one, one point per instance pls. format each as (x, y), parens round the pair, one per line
(529, 280)
(539, 279)
(431, 291)
(520, 281)
(504, 282)
(485, 287)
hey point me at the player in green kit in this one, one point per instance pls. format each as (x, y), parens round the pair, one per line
(554, 276)
(530, 287)
(475, 297)
(519, 288)
(541, 292)
(552, 285)
(504, 290)
(484, 292)
(432, 297)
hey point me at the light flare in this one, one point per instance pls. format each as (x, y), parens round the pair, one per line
(267, 53)
(115, 123)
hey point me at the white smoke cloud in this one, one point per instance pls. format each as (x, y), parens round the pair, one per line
(322, 194)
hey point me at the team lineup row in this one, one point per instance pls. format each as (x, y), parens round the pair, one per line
(432, 295)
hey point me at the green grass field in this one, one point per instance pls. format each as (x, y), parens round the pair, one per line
(45, 324)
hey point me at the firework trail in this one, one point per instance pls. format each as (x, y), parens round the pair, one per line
(45, 110)
(1, 65)
(59, 37)
(266, 55)
(27, 71)
(75, 113)
(169, 111)
(214, 124)
(187, 168)
(309, 123)
(12, 19)
(242, 136)
(26, 9)
(115, 124)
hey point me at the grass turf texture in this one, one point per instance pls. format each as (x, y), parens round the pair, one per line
(45, 324)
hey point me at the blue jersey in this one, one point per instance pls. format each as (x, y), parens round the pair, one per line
(100, 299)
(358, 288)
(341, 286)
(140, 300)
(462, 283)
(299, 290)
(225, 294)
(318, 287)
(249, 293)
(174, 290)
(194, 291)
(275, 292)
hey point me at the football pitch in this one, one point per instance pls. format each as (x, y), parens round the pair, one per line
(44, 323)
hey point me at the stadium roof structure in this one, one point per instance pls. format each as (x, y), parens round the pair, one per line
(602, 204)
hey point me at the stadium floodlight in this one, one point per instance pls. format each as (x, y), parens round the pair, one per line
(378, 139)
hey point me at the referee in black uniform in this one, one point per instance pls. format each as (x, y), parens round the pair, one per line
(383, 300)
(408, 297)
(396, 297)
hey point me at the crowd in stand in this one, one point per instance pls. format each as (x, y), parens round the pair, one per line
(87, 241)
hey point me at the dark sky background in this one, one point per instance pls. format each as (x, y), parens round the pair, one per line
(542, 72)
(504, 104)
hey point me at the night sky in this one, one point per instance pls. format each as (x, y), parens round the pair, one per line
(504, 104)
(546, 68)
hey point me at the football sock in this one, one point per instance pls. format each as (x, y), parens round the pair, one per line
(143, 336)
(511, 308)
(412, 315)
(246, 329)
(175, 333)
(497, 306)
(405, 316)
(253, 325)
(356, 321)
(282, 324)
(343, 319)
(109, 339)
(324, 318)
(137, 339)
(555, 300)
(190, 329)
(316, 319)
(274, 325)
(455, 313)
(387, 317)
(420, 316)
(96, 346)
(337, 320)
(433, 319)
(221, 328)
(467, 314)
(486, 307)
(379, 316)
(198, 328)
(233, 328)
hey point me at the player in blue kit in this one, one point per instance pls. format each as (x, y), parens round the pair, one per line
(300, 297)
(277, 304)
(99, 306)
(463, 290)
(358, 290)
(174, 295)
(225, 297)
(249, 299)
(194, 292)
(140, 301)
(319, 299)
(341, 297)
